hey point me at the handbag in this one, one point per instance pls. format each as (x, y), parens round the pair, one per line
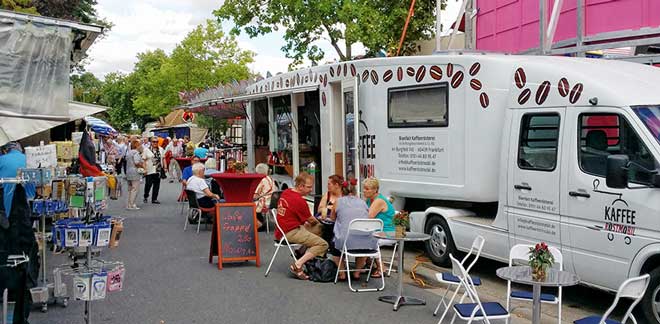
(163, 175)
(140, 171)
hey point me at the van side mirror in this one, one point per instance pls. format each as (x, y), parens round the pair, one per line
(617, 171)
(656, 180)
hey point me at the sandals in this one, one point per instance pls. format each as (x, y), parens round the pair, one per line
(299, 273)
(376, 273)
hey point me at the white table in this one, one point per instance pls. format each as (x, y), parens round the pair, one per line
(523, 275)
(400, 299)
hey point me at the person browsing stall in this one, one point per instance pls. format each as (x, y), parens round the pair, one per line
(348, 208)
(154, 166)
(379, 206)
(196, 183)
(294, 218)
(134, 170)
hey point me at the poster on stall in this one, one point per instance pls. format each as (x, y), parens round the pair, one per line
(44, 156)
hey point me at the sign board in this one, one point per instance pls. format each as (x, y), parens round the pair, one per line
(235, 237)
(44, 156)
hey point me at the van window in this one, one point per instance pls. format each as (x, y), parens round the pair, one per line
(539, 137)
(418, 106)
(604, 134)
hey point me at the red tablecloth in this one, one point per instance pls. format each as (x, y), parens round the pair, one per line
(186, 162)
(238, 187)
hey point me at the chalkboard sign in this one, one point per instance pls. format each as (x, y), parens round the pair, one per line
(235, 236)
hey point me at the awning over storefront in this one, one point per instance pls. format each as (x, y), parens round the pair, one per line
(14, 128)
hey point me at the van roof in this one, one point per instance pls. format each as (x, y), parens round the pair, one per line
(614, 83)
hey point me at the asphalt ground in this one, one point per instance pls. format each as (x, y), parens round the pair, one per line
(169, 280)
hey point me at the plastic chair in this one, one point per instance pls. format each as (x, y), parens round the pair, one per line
(633, 288)
(361, 225)
(476, 310)
(521, 252)
(450, 279)
(283, 241)
(195, 210)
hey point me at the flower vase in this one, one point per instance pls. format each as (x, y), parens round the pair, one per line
(400, 231)
(539, 273)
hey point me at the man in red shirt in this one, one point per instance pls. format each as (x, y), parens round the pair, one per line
(295, 219)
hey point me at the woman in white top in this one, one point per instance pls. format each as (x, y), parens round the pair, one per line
(196, 183)
(263, 193)
(134, 163)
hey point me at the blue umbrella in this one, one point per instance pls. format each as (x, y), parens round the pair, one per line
(100, 127)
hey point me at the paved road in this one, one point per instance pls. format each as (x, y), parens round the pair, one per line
(168, 280)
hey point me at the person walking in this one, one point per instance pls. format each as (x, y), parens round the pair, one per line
(154, 167)
(122, 148)
(134, 164)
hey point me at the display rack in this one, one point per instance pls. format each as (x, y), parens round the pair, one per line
(84, 237)
(45, 208)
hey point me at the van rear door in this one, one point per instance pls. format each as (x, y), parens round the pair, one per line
(534, 175)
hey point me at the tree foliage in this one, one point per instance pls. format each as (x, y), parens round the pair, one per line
(86, 87)
(377, 24)
(205, 58)
(23, 6)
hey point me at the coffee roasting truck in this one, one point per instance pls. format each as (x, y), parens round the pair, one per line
(518, 149)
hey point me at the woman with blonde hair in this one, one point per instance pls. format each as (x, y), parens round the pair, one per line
(263, 193)
(379, 206)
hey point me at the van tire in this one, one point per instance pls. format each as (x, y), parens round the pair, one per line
(441, 243)
(645, 309)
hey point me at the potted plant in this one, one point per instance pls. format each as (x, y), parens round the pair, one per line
(401, 222)
(240, 167)
(540, 259)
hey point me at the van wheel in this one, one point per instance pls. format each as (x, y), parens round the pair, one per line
(649, 307)
(441, 243)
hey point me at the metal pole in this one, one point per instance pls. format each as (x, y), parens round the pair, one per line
(542, 10)
(88, 304)
(438, 25)
(580, 28)
(468, 25)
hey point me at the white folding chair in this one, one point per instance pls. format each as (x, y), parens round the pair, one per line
(476, 310)
(195, 211)
(282, 242)
(390, 263)
(520, 252)
(366, 227)
(450, 279)
(633, 288)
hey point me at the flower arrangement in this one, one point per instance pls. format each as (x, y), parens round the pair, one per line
(540, 259)
(240, 166)
(401, 222)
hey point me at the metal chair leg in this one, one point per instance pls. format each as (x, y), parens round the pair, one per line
(199, 218)
(272, 259)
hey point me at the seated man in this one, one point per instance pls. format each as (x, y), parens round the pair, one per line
(187, 171)
(295, 219)
(196, 183)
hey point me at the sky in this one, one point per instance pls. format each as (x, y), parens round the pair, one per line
(143, 25)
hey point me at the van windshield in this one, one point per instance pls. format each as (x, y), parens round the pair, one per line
(650, 116)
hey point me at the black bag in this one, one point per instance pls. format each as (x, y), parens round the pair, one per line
(321, 270)
(163, 175)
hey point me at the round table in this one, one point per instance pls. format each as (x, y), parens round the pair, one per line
(400, 299)
(238, 187)
(523, 275)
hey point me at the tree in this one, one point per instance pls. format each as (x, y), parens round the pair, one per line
(205, 58)
(24, 6)
(117, 94)
(375, 23)
(86, 88)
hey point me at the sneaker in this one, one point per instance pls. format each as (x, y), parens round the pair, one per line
(145, 200)
(156, 202)
(136, 207)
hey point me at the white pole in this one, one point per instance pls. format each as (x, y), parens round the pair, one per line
(438, 25)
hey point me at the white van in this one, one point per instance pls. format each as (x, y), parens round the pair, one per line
(518, 149)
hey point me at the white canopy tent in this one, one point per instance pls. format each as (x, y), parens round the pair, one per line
(15, 128)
